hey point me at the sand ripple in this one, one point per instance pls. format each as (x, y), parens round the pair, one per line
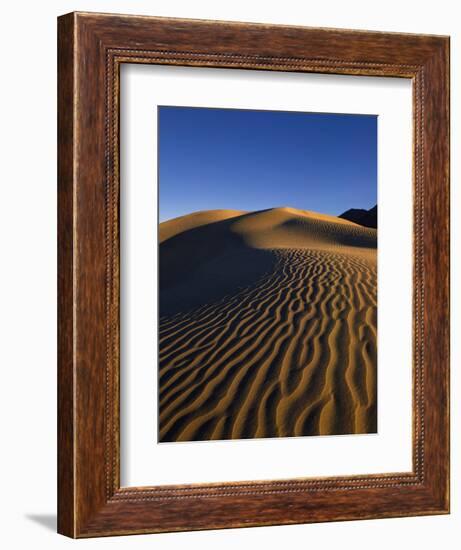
(291, 354)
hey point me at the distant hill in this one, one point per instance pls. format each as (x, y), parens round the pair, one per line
(367, 218)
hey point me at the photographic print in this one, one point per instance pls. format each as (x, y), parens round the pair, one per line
(267, 274)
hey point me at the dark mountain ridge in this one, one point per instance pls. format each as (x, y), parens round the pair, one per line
(367, 218)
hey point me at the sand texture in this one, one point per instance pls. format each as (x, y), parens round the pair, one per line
(268, 326)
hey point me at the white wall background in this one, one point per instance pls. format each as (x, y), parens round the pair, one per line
(28, 271)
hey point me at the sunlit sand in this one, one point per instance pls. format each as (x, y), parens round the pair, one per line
(268, 325)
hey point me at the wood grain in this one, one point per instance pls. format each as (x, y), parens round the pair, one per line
(91, 48)
(66, 470)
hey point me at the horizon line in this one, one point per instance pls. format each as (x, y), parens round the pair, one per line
(261, 210)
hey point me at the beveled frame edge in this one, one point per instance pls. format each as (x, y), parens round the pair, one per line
(91, 49)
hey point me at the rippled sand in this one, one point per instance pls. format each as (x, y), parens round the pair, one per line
(267, 326)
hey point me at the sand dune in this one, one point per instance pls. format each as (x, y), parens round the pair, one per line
(267, 325)
(173, 227)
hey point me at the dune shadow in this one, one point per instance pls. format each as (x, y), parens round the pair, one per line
(205, 264)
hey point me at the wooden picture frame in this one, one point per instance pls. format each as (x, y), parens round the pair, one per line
(92, 47)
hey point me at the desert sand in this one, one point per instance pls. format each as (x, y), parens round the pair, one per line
(268, 325)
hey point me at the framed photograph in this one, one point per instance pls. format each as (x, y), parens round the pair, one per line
(253, 322)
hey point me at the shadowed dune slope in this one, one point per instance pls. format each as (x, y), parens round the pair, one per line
(267, 325)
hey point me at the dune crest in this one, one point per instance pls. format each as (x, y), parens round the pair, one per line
(175, 226)
(268, 325)
(288, 228)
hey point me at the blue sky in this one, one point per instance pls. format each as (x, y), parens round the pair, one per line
(251, 160)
